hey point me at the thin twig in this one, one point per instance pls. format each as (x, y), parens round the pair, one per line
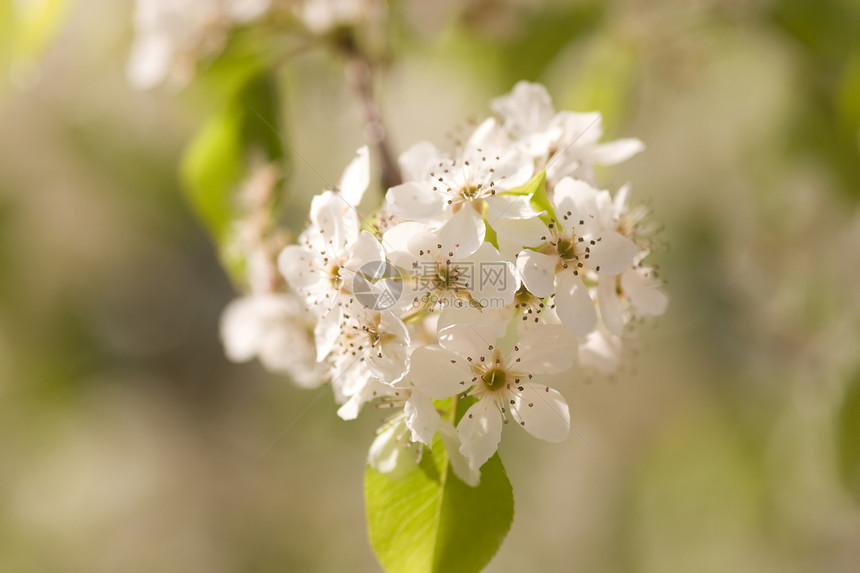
(359, 76)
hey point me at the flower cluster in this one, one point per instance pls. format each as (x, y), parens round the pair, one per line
(484, 274)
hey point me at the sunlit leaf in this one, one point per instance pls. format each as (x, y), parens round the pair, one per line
(536, 187)
(429, 521)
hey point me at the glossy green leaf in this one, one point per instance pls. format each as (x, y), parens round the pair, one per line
(536, 187)
(530, 187)
(429, 521)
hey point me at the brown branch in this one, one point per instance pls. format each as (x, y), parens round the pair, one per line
(359, 76)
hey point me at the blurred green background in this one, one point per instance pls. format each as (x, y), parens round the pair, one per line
(729, 442)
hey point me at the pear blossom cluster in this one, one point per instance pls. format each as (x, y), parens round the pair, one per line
(489, 274)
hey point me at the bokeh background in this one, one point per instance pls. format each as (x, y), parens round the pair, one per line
(730, 440)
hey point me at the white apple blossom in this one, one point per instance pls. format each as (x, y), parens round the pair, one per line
(370, 346)
(273, 328)
(444, 185)
(577, 239)
(564, 143)
(471, 359)
(476, 278)
(442, 266)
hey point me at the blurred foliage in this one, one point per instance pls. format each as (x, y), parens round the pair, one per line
(826, 33)
(243, 135)
(26, 31)
(848, 438)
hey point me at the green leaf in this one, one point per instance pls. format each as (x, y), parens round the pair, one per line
(605, 80)
(429, 521)
(536, 187)
(220, 156)
(530, 187)
(848, 438)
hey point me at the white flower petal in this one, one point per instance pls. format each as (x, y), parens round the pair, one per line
(356, 177)
(432, 371)
(417, 162)
(335, 220)
(247, 10)
(616, 151)
(492, 325)
(390, 363)
(404, 243)
(619, 204)
(512, 235)
(415, 201)
(513, 169)
(495, 280)
(480, 431)
(485, 135)
(463, 233)
(471, 340)
(579, 198)
(459, 463)
(579, 129)
(422, 419)
(542, 411)
(573, 304)
(610, 306)
(614, 253)
(242, 329)
(326, 332)
(387, 454)
(285, 351)
(537, 271)
(601, 351)
(150, 60)
(545, 349)
(367, 249)
(299, 266)
(526, 110)
(355, 388)
(648, 298)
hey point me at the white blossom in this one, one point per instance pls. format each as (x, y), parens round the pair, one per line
(273, 328)
(442, 266)
(564, 143)
(471, 359)
(445, 185)
(468, 284)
